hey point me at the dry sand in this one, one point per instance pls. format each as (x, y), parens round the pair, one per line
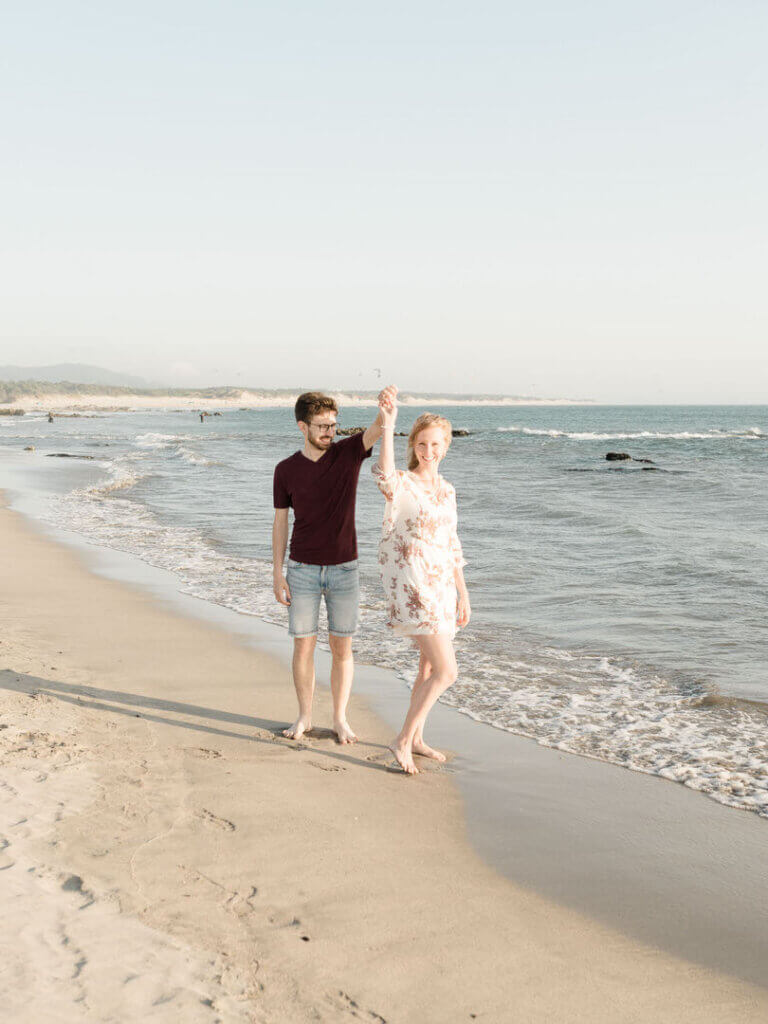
(166, 855)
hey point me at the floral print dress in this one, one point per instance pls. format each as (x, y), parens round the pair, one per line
(419, 552)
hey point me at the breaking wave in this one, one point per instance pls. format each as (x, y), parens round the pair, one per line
(586, 704)
(640, 435)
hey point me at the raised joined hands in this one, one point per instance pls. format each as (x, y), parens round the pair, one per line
(388, 405)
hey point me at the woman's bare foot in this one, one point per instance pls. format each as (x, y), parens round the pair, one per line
(297, 730)
(420, 747)
(404, 757)
(343, 732)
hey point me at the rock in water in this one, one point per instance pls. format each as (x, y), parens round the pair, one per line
(346, 431)
(67, 455)
(625, 457)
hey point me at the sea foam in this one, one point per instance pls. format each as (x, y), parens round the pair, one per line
(586, 704)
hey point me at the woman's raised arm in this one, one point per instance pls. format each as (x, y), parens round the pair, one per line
(388, 417)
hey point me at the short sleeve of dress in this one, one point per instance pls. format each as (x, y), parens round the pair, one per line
(388, 483)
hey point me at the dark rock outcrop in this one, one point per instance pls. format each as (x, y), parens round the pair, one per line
(346, 431)
(625, 457)
(67, 455)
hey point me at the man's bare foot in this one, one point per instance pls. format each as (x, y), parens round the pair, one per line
(297, 730)
(420, 747)
(343, 732)
(404, 758)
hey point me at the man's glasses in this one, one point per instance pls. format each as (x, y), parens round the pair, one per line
(325, 428)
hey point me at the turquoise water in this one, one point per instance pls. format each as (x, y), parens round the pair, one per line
(619, 608)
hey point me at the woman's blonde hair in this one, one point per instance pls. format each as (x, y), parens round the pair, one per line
(427, 419)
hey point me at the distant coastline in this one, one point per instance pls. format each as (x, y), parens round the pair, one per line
(43, 396)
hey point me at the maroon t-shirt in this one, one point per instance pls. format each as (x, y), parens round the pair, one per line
(322, 495)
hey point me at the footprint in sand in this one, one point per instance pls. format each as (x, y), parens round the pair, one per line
(288, 744)
(8, 791)
(327, 767)
(347, 1003)
(5, 860)
(202, 752)
(215, 821)
(20, 828)
(241, 903)
(74, 884)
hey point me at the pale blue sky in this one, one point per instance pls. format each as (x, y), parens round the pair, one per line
(560, 199)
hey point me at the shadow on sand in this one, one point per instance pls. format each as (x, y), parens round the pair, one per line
(121, 703)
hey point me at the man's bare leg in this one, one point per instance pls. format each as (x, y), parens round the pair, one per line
(342, 671)
(304, 680)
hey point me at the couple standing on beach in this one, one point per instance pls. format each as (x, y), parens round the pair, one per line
(420, 558)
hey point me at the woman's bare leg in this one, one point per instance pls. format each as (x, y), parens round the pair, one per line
(423, 673)
(419, 746)
(437, 652)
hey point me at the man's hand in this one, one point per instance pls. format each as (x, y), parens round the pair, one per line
(280, 587)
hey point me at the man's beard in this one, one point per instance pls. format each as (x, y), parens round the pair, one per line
(316, 446)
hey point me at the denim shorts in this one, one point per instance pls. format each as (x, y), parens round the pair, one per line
(338, 584)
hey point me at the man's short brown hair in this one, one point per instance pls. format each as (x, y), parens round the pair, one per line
(311, 403)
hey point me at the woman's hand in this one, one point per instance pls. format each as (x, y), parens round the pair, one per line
(388, 406)
(464, 612)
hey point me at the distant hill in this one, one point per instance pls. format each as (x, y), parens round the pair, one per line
(71, 373)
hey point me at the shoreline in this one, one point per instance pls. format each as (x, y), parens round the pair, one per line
(505, 902)
(247, 402)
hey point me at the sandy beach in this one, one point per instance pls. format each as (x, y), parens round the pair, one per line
(166, 855)
(63, 402)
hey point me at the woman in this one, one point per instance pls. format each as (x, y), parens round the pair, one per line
(421, 568)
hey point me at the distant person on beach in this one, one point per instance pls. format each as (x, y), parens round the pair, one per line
(320, 484)
(421, 562)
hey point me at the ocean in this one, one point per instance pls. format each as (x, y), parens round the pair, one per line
(619, 607)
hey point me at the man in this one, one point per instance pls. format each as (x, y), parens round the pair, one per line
(320, 484)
